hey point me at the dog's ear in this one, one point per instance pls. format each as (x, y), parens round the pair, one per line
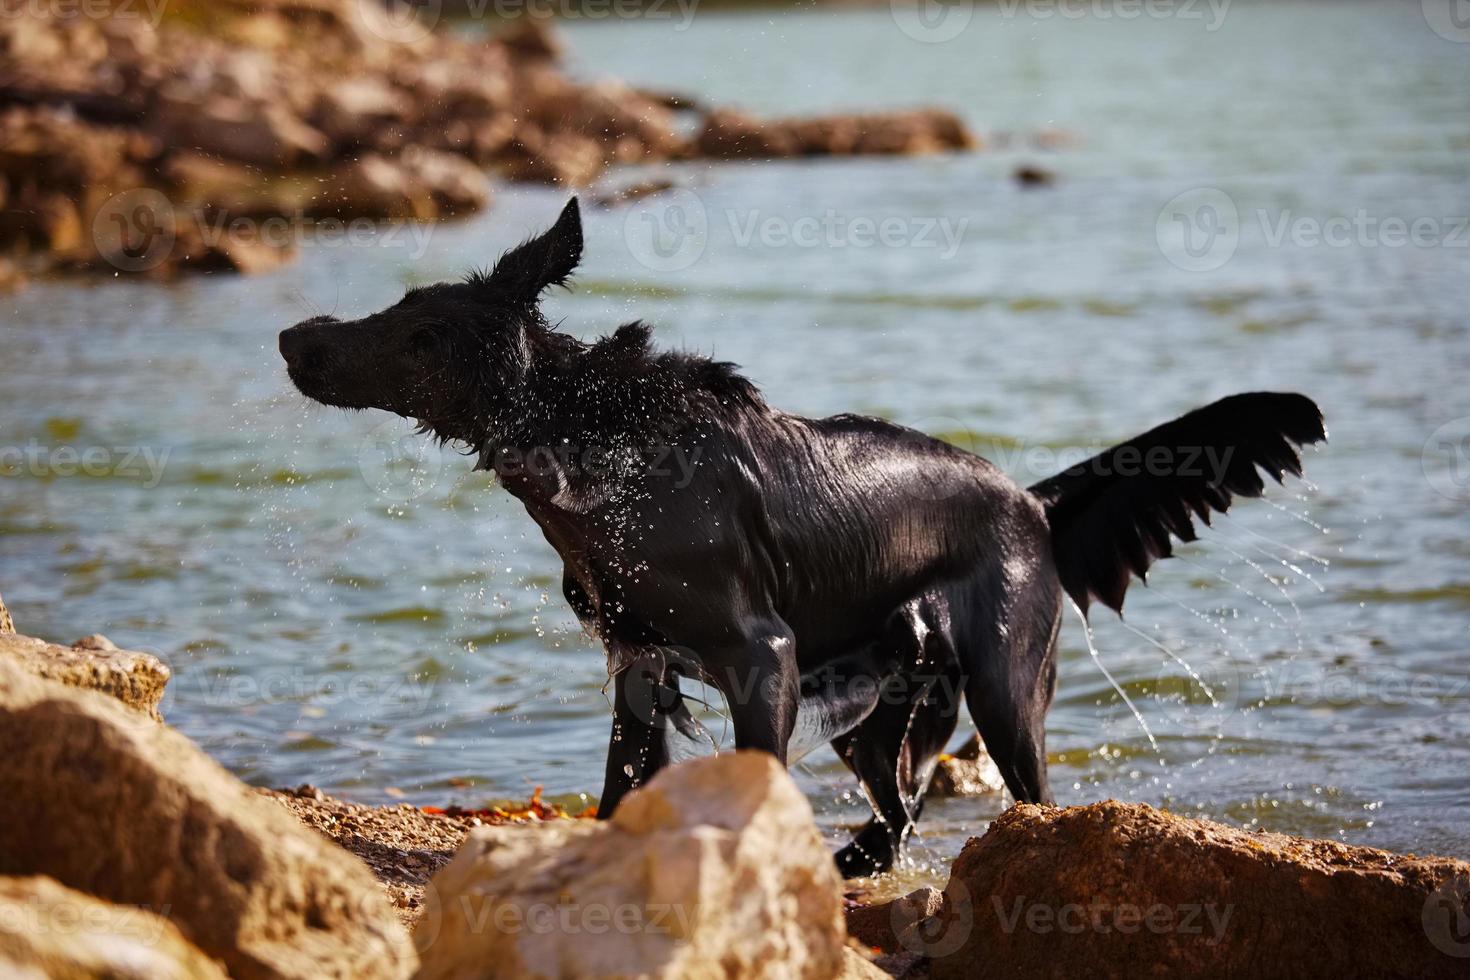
(528, 270)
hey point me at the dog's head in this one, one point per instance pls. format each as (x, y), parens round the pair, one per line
(444, 354)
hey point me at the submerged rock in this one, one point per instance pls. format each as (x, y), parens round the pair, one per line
(1125, 890)
(132, 812)
(970, 771)
(136, 679)
(715, 868)
(50, 931)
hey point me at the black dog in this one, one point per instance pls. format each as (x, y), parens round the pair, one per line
(839, 579)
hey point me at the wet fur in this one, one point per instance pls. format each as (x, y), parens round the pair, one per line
(840, 580)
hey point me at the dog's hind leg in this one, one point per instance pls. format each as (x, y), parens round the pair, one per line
(1011, 676)
(894, 751)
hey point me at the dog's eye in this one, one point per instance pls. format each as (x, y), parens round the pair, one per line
(422, 343)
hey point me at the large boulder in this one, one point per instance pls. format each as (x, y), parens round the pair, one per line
(50, 931)
(130, 811)
(715, 868)
(1124, 890)
(136, 679)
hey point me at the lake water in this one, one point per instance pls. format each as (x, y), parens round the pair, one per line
(392, 628)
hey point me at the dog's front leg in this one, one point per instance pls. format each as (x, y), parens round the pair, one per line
(762, 685)
(645, 695)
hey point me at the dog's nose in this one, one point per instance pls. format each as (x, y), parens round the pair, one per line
(293, 343)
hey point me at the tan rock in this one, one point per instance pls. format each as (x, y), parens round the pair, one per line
(50, 931)
(856, 966)
(135, 814)
(456, 186)
(890, 926)
(715, 868)
(7, 625)
(1124, 890)
(970, 771)
(563, 158)
(730, 134)
(136, 679)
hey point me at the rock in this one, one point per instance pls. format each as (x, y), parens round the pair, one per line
(135, 679)
(714, 868)
(730, 134)
(632, 192)
(456, 186)
(135, 814)
(264, 134)
(1030, 175)
(565, 159)
(7, 625)
(970, 771)
(1124, 890)
(373, 187)
(886, 926)
(48, 930)
(856, 966)
(354, 110)
(531, 38)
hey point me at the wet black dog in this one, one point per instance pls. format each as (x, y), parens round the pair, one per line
(840, 579)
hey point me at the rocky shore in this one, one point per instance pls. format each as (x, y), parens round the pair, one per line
(218, 137)
(126, 852)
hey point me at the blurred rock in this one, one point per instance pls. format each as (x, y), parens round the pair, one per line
(331, 93)
(93, 663)
(7, 625)
(632, 192)
(1030, 175)
(885, 926)
(133, 813)
(731, 134)
(1124, 890)
(714, 868)
(968, 772)
(50, 931)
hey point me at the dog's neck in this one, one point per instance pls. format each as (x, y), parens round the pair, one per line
(583, 418)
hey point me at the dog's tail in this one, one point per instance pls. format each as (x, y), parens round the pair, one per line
(1113, 514)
